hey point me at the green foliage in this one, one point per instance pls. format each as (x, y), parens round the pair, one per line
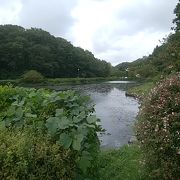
(32, 76)
(25, 155)
(125, 163)
(23, 49)
(177, 19)
(158, 129)
(63, 119)
(6, 92)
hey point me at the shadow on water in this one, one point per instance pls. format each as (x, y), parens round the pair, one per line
(116, 111)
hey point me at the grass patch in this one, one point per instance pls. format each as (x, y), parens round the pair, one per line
(122, 164)
(140, 91)
(62, 81)
(9, 81)
(65, 81)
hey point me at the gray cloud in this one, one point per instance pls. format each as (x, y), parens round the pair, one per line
(53, 16)
(148, 14)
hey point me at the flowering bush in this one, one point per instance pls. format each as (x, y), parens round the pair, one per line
(158, 129)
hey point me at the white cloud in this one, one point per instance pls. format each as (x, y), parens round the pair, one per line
(9, 11)
(128, 48)
(118, 30)
(53, 16)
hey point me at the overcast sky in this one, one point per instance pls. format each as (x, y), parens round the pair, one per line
(114, 30)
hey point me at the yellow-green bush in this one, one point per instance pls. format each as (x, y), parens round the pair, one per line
(24, 155)
(32, 76)
(158, 129)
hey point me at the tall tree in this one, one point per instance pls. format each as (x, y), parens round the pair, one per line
(177, 19)
(26, 49)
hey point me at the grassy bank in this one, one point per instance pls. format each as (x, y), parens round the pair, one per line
(62, 81)
(121, 164)
(66, 81)
(140, 91)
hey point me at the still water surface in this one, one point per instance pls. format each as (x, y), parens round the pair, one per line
(116, 111)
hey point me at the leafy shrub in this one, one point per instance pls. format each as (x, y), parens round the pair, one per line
(6, 92)
(63, 119)
(32, 76)
(158, 129)
(26, 156)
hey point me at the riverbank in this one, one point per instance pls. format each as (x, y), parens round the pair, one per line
(63, 81)
(140, 91)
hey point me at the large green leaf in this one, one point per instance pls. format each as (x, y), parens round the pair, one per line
(64, 123)
(21, 103)
(52, 125)
(8, 121)
(54, 97)
(32, 94)
(62, 95)
(65, 140)
(77, 119)
(91, 119)
(19, 112)
(2, 125)
(87, 155)
(82, 129)
(90, 125)
(82, 115)
(75, 111)
(59, 112)
(11, 111)
(84, 164)
(77, 141)
(29, 115)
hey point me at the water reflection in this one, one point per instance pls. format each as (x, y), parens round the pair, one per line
(117, 113)
(106, 87)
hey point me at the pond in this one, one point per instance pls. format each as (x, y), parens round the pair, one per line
(116, 111)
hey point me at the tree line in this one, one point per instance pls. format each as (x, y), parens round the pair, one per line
(26, 49)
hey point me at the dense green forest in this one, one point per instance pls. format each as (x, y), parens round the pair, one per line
(25, 49)
(164, 60)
